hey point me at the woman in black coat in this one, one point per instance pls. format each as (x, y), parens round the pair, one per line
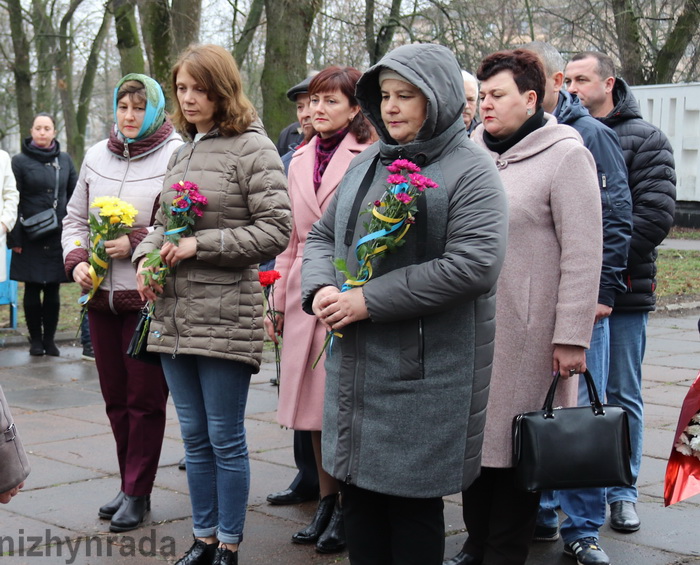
(39, 263)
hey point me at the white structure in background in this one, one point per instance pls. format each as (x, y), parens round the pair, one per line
(675, 110)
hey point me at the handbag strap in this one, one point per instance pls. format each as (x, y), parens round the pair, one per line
(359, 199)
(55, 190)
(592, 396)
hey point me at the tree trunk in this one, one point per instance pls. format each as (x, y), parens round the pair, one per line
(128, 43)
(186, 16)
(628, 41)
(678, 40)
(21, 68)
(156, 27)
(43, 44)
(288, 28)
(87, 87)
(251, 23)
(386, 32)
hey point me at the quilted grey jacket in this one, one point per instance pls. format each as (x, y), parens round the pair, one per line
(212, 303)
(406, 390)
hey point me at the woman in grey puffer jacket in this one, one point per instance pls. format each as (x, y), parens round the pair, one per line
(208, 322)
(407, 383)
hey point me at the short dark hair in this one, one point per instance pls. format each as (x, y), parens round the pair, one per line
(134, 89)
(344, 79)
(44, 115)
(527, 69)
(606, 67)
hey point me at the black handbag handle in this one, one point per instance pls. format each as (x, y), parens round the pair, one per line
(598, 409)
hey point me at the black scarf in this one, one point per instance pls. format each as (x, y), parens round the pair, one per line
(500, 146)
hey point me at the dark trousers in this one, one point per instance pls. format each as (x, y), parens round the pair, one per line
(500, 518)
(392, 530)
(306, 481)
(135, 394)
(42, 315)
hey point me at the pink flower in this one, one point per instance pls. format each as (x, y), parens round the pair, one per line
(421, 182)
(396, 179)
(403, 198)
(400, 164)
(197, 212)
(377, 203)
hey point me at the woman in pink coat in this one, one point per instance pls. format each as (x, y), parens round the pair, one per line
(316, 169)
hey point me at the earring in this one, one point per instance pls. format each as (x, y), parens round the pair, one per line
(529, 111)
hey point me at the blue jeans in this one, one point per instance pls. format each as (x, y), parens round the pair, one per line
(585, 508)
(628, 339)
(210, 396)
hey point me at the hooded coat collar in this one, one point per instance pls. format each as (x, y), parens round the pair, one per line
(439, 78)
(626, 106)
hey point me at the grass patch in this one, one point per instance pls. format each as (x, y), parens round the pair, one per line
(69, 317)
(684, 233)
(678, 273)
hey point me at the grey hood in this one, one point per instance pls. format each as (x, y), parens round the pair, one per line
(439, 78)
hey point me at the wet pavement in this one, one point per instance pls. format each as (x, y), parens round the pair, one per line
(60, 414)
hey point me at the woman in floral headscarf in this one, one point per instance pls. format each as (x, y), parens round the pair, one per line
(130, 165)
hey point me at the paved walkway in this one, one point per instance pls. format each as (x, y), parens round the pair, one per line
(59, 410)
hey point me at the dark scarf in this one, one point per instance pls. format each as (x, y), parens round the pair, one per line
(325, 148)
(137, 148)
(500, 146)
(49, 149)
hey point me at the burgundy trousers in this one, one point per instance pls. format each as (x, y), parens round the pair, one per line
(135, 394)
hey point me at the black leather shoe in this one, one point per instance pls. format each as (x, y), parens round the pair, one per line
(131, 513)
(463, 559)
(288, 496)
(225, 557)
(332, 540)
(36, 347)
(318, 525)
(200, 553)
(110, 509)
(50, 347)
(182, 465)
(623, 516)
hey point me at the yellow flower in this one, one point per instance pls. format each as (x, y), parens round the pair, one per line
(115, 220)
(77, 243)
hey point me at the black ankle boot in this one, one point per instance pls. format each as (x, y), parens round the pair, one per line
(332, 540)
(131, 513)
(313, 531)
(49, 347)
(200, 553)
(110, 509)
(225, 557)
(36, 346)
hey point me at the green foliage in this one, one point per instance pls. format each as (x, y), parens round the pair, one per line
(678, 273)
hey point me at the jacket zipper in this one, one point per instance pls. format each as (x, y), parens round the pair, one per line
(127, 156)
(177, 331)
(353, 421)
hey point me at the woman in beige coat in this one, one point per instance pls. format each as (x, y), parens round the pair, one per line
(546, 295)
(314, 174)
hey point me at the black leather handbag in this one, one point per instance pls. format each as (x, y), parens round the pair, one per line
(137, 348)
(581, 447)
(45, 222)
(14, 466)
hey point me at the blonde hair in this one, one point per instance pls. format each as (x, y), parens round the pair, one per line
(215, 70)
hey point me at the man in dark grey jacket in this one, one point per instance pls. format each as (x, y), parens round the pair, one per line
(652, 180)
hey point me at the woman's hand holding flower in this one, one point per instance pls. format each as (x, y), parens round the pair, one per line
(119, 248)
(172, 254)
(338, 309)
(274, 331)
(150, 291)
(81, 275)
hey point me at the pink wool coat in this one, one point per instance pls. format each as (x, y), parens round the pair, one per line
(548, 287)
(301, 388)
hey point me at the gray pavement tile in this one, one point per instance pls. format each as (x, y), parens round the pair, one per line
(96, 452)
(666, 394)
(43, 427)
(53, 397)
(261, 400)
(654, 374)
(263, 436)
(93, 413)
(48, 473)
(652, 472)
(660, 416)
(280, 456)
(689, 361)
(658, 443)
(681, 343)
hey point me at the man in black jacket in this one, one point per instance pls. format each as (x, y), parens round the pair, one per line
(652, 181)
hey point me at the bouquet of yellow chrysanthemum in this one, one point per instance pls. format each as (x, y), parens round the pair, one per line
(113, 220)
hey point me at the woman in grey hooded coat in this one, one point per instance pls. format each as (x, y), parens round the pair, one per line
(407, 384)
